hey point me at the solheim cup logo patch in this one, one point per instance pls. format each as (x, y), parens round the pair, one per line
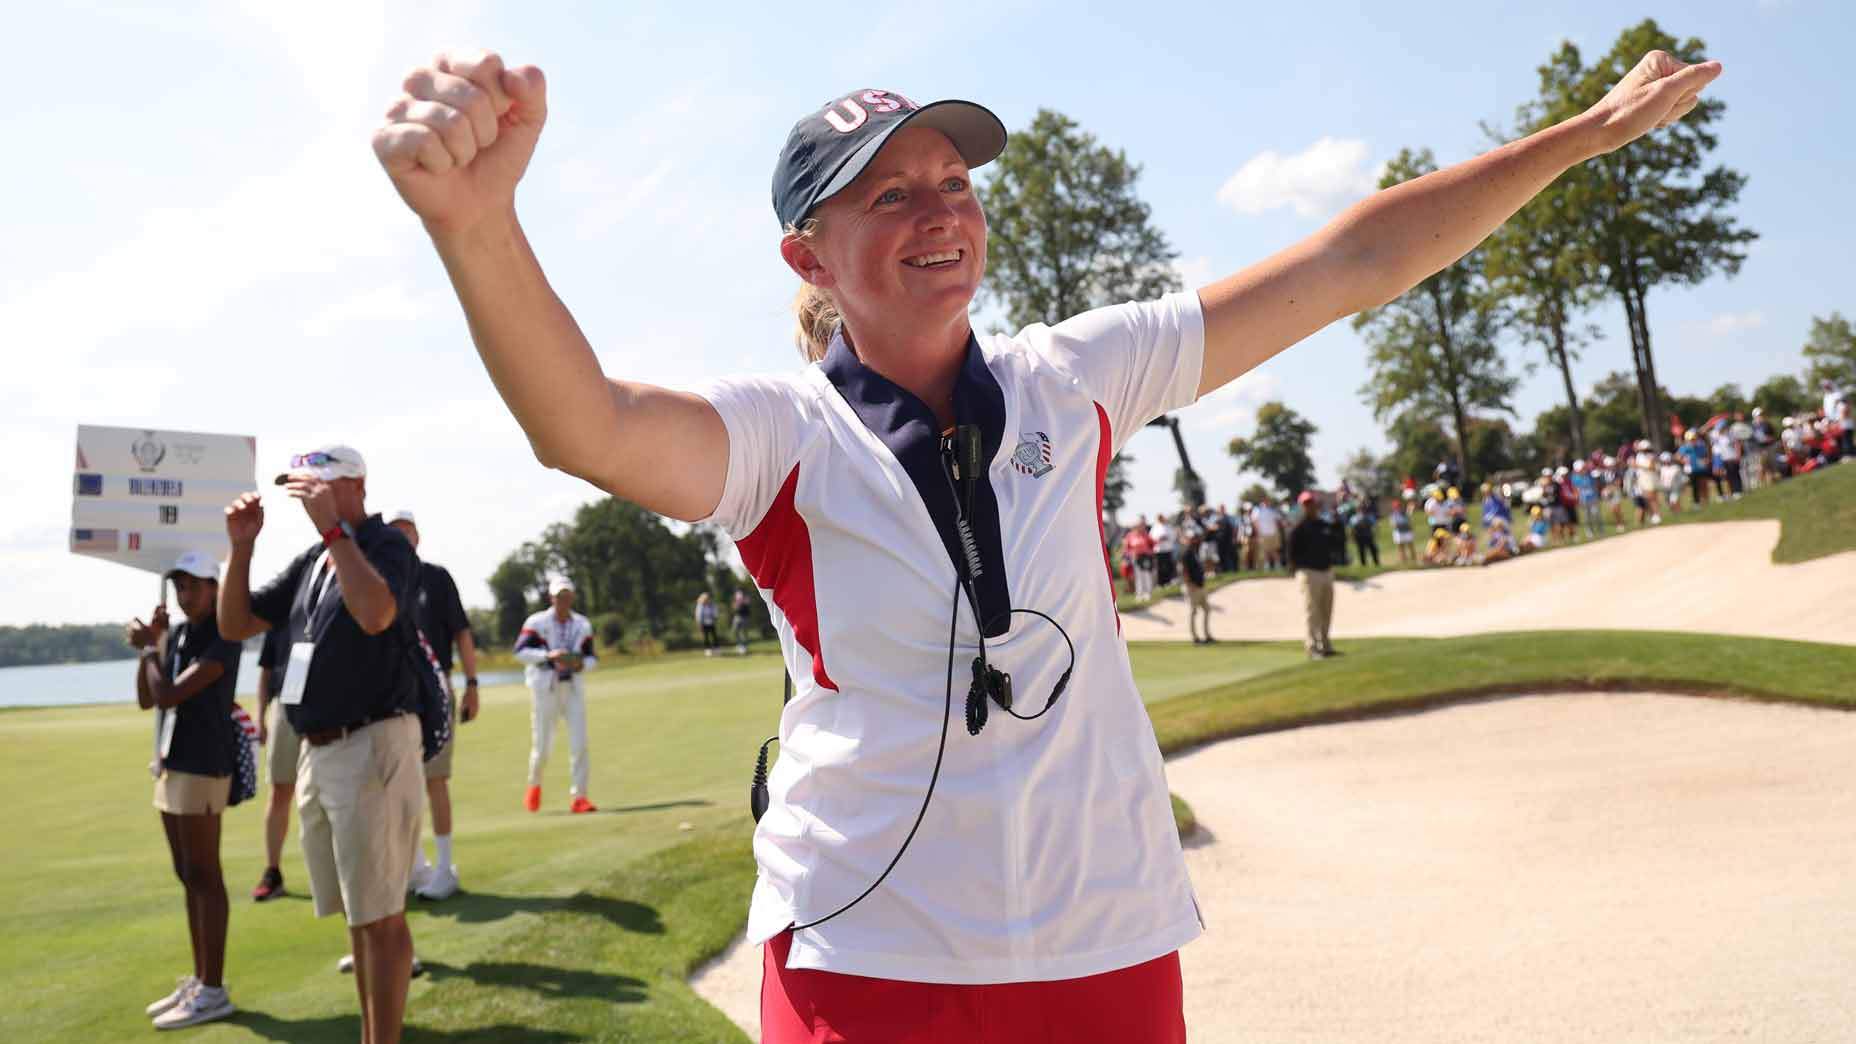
(1032, 457)
(148, 451)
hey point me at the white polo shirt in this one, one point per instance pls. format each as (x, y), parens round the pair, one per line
(1049, 850)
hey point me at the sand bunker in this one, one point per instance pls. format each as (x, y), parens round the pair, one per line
(1548, 868)
(1718, 577)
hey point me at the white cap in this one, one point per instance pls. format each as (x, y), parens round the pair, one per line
(333, 461)
(559, 584)
(1758, 412)
(196, 564)
(403, 516)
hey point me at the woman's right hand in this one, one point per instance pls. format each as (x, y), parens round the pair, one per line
(458, 139)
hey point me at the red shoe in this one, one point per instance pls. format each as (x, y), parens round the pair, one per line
(532, 799)
(581, 804)
(270, 886)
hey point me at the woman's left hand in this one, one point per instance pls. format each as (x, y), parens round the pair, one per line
(1658, 92)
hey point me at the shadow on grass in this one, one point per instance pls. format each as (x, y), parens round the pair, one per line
(657, 807)
(347, 1028)
(484, 907)
(550, 982)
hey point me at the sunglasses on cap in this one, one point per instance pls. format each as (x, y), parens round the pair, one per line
(314, 460)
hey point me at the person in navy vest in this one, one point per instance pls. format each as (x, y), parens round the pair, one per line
(915, 480)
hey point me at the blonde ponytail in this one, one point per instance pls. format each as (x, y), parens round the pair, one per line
(815, 315)
(816, 321)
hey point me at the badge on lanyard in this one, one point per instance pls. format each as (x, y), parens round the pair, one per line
(297, 673)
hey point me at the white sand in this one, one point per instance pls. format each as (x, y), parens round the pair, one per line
(1543, 869)
(1718, 578)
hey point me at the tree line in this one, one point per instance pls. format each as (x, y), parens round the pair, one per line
(62, 643)
(635, 577)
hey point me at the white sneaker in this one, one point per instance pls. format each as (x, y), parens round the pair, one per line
(203, 1004)
(419, 876)
(441, 883)
(183, 986)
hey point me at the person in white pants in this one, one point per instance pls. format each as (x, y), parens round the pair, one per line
(556, 644)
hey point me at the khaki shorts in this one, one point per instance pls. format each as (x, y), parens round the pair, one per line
(188, 794)
(1195, 597)
(440, 765)
(1268, 544)
(359, 799)
(284, 748)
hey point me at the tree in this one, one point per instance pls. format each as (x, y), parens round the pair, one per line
(1254, 494)
(1537, 266)
(1418, 444)
(1662, 219)
(1279, 449)
(1066, 232)
(520, 586)
(629, 561)
(1784, 396)
(1432, 350)
(1830, 352)
(1368, 474)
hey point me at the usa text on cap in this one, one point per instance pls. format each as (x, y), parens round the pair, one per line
(828, 149)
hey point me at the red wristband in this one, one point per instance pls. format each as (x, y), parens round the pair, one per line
(332, 534)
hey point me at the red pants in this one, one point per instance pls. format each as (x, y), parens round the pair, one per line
(1138, 1005)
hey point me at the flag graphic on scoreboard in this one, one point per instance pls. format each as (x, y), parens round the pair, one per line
(95, 540)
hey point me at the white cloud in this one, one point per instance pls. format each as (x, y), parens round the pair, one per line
(1195, 272)
(1314, 183)
(1728, 323)
(1233, 407)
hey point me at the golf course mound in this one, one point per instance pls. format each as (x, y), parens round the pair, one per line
(1716, 577)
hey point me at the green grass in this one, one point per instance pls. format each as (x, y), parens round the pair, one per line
(585, 928)
(1816, 515)
(1390, 674)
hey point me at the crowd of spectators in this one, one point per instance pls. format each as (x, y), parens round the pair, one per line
(1633, 486)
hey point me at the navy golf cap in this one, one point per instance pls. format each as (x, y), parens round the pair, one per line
(829, 148)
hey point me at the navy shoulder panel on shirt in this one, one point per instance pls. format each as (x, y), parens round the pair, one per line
(908, 427)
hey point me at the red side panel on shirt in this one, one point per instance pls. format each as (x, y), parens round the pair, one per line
(1103, 456)
(778, 555)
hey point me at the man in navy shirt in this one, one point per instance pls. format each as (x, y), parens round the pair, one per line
(348, 691)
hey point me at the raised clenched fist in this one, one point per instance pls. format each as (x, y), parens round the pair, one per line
(457, 140)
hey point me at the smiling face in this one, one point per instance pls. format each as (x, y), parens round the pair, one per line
(905, 244)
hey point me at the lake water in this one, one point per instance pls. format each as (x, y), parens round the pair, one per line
(113, 681)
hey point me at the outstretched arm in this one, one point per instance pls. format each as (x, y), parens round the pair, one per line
(455, 144)
(1393, 240)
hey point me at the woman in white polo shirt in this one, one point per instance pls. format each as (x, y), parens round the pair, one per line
(1041, 891)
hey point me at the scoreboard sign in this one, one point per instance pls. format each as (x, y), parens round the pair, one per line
(142, 496)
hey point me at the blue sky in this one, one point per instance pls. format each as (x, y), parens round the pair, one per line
(194, 234)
